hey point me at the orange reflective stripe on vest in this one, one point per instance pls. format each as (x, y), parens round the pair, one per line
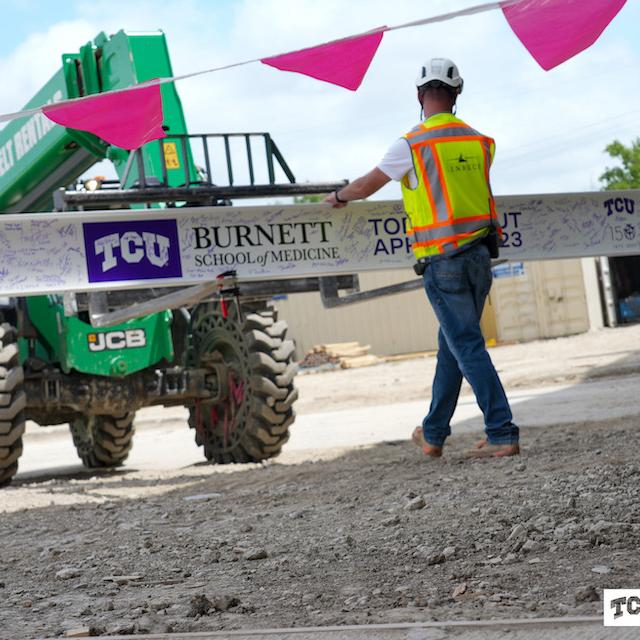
(452, 203)
(438, 242)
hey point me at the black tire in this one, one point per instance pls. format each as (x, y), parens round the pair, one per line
(255, 353)
(13, 401)
(103, 441)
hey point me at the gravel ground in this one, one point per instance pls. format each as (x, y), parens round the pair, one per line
(372, 534)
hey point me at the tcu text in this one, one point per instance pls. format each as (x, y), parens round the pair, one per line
(133, 248)
(113, 340)
(621, 607)
(620, 205)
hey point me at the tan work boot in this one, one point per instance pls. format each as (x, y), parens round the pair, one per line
(417, 437)
(483, 449)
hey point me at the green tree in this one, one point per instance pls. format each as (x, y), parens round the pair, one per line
(626, 176)
(310, 198)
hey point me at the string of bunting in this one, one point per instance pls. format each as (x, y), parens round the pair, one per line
(551, 30)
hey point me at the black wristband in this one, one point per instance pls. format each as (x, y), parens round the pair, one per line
(338, 198)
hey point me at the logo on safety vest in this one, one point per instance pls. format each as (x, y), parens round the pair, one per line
(463, 162)
(132, 250)
(115, 340)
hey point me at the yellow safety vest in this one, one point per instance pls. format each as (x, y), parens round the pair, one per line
(452, 204)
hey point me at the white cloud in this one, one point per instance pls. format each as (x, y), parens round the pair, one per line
(28, 68)
(551, 127)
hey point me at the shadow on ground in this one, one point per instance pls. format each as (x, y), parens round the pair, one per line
(375, 534)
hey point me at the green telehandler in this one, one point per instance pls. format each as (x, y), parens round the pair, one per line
(227, 358)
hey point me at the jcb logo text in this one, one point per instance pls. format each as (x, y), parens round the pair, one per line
(113, 340)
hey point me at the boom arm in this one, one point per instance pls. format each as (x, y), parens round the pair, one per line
(37, 157)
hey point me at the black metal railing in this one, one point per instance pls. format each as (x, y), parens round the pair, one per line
(195, 148)
(196, 170)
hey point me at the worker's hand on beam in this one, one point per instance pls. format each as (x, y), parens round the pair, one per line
(361, 188)
(331, 199)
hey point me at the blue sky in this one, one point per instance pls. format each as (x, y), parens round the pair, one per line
(551, 127)
(21, 18)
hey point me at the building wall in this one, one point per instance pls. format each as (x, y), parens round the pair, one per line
(548, 300)
(402, 323)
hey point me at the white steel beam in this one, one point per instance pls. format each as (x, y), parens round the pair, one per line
(102, 251)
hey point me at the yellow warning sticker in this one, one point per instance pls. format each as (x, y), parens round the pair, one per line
(171, 159)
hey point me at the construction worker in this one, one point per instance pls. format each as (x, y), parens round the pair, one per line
(443, 167)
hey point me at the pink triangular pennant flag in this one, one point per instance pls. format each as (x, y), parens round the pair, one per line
(555, 30)
(125, 119)
(342, 62)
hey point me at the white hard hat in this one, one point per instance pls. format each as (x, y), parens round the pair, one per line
(440, 70)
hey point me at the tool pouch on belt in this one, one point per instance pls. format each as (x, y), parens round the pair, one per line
(492, 241)
(419, 268)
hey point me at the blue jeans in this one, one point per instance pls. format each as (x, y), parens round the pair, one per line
(457, 288)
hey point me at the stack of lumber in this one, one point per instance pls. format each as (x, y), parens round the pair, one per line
(349, 355)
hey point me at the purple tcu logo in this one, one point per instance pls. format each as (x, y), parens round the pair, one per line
(136, 250)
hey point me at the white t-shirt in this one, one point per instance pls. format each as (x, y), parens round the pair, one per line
(398, 161)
